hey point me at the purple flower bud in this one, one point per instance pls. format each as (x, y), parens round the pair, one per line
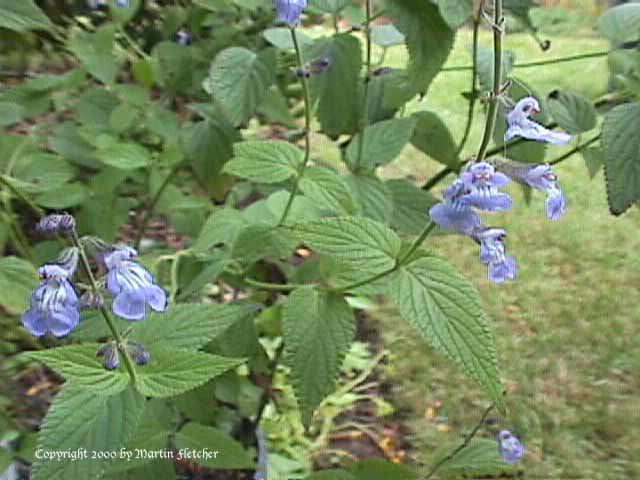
(493, 253)
(54, 304)
(509, 447)
(481, 183)
(289, 11)
(110, 356)
(91, 300)
(56, 222)
(540, 177)
(138, 353)
(520, 125)
(302, 73)
(183, 38)
(320, 65)
(453, 213)
(132, 286)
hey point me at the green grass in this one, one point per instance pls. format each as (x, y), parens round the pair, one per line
(568, 330)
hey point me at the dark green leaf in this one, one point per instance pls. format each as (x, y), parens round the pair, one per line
(22, 16)
(223, 451)
(432, 137)
(456, 12)
(328, 190)
(265, 161)
(17, 279)
(410, 206)
(620, 24)
(572, 111)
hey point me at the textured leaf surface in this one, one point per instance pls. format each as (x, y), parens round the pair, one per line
(455, 12)
(381, 143)
(573, 112)
(189, 326)
(222, 227)
(410, 206)
(95, 52)
(328, 190)
(261, 239)
(173, 371)
(621, 145)
(373, 195)
(265, 162)
(318, 328)
(360, 243)
(479, 459)
(80, 418)
(230, 454)
(620, 24)
(379, 469)
(125, 156)
(79, 364)
(17, 279)
(22, 16)
(337, 89)
(432, 137)
(429, 39)
(239, 80)
(446, 311)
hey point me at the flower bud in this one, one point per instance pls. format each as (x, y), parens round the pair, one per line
(137, 352)
(91, 300)
(110, 356)
(56, 222)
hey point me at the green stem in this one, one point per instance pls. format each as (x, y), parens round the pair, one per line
(307, 127)
(492, 113)
(36, 209)
(103, 310)
(154, 203)
(575, 150)
(286, 287)
(474, 80)
(364, 120)
(437, 178)
(536, 63)
(462, 446)
(399, 263)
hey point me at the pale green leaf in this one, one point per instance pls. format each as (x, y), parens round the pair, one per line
(125, 156)
(572, 112)
(95, 53)
(620, 24)
(80, 418)
(432, 137)
(330, 6)
(239, 79)
(386, 36)
(23, 16)
(258, 240)
(318, 328)
(621, 145)
(381, 143)
(446, 311)
(223, 451)
(359, 243)
(172, 371)
(222, 227)
(66, 196)
(328, 190)
(43, 172)
(280, 37)
(373, 196)
(188, 326)
(429, 39)
(456, 12)
(17, 279)
(80, 365)
(265, 161)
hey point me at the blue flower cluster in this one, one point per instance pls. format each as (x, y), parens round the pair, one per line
(289, 11)
(54, 303)
(478, 188)
(509, 447)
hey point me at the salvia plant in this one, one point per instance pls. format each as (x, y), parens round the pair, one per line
(206, 114)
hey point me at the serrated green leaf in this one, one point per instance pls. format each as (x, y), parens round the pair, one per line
(80, 418)
(381, 143)
(66, 196)
(410, 206)
(456, 12)
(80, 365)
(479, 459)
(620, 24)
(429, 39)
(95, 53)
(258, 240)
(274, 106)
(229, 454)
(337, 89)
(174, 66)
(621, 146)
(328, 190)
(318, 328)
(359, 243)
(17, 279)
(572, 111)
(188, 326)
(265, 161)
(222, 227)
(23, 16)
(373, 195)
(125, 156)
(172, 371)
(43, 172)
(432, 137)
(446, 311)
(239, 79)
(593, 160)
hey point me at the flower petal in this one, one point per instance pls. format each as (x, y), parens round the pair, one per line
(33, 321)
(130, 305)
(556, 204)
(63, 322)
(157, 298)
(462, 221)
(500, 272)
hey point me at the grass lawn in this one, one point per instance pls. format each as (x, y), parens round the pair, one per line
(568, 330)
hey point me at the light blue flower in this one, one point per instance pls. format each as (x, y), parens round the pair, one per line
(509, 447)
(289, 11)
(493, 254)
(183, 38)
(453, 213)
(132, 286)
(520, 125)
(54, 304)
(122, 3)
(540, 177)
(481, 184)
